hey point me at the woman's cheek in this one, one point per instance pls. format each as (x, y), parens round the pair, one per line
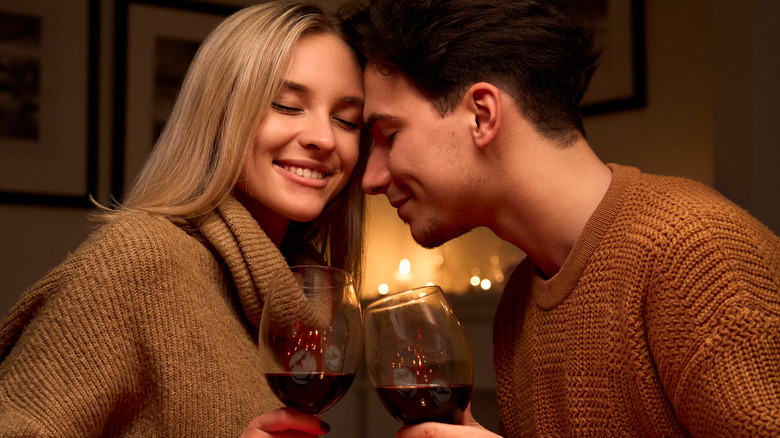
(351, 155)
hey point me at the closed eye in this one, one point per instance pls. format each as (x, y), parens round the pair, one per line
(346, 124)
(285, 109)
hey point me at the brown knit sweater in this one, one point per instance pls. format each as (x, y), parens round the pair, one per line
(148, 329)
(663, 321)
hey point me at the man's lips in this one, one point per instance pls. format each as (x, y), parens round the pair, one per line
(403, 213)
(398, 201)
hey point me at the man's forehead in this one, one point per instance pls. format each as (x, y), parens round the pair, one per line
(386, 94)
(379, 80)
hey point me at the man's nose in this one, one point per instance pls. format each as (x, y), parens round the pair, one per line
(377, 176)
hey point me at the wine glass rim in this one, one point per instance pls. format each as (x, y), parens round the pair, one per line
(385, 302)
(348, 279)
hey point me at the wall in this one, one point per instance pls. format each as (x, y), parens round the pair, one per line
(674, 133)
(747, 68)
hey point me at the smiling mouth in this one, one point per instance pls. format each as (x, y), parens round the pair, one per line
(304, 172)
(398, 202)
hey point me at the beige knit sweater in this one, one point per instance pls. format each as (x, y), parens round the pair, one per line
(148, 329)
(664, 321)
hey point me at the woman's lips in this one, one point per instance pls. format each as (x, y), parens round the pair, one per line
(306, 176)
(304, 172)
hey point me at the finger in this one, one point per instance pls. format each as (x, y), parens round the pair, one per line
(256, 433)
(287, 419)
(424, 430)
(292, 434)
(287, 434)
(441, 430)
(467, 419)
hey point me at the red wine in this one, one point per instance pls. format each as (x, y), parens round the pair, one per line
(425, 402)
(312, 393)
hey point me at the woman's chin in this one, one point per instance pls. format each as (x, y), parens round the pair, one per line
(304, 216)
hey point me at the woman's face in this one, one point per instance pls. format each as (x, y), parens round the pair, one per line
(306, 147)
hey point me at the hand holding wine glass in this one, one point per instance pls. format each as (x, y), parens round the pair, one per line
(418, 357)
(468, 428)
(283, 421)
(311, 335)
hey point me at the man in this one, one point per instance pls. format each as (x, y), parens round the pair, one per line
(647, 305)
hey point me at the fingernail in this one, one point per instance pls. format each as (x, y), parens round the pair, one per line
(325, 427)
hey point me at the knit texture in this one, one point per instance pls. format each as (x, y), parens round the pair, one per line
(663, 321)
(148, 329)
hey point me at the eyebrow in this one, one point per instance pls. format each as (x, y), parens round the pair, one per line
(298, 87)
(378, 117)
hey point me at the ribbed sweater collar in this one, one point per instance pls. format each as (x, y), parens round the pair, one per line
(251, 257)
(549, 293)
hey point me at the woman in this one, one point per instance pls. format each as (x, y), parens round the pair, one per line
(150, 327)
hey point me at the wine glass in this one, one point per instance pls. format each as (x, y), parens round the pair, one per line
(311, 336)
(418, 357)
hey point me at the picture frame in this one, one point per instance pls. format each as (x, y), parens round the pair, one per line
(620, 81)
(155, 42)
(48, 102)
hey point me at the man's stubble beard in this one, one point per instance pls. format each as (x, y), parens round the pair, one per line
(435, 233)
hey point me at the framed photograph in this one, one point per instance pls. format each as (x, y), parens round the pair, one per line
(48, 101)
(619, 82)
(155, 42)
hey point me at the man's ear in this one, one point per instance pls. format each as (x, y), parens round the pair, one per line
(484, 101)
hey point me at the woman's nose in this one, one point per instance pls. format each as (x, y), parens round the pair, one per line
(319, 133)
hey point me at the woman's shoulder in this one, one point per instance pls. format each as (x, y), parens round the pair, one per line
(130, 251)
(137, 228)
(131, 264)
(139, 237)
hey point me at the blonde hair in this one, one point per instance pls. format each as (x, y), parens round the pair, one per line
(228, 89)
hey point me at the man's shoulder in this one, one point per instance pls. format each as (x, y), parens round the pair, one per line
(665, 200)
(679, 188)
(665, 212)
(678, 199)
(687, 215)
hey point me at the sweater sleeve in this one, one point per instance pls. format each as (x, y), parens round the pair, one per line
(141, 332)
(70, 366)
(714, 328)
(79, 352)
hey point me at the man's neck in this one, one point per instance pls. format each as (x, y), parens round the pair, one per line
(548, 197)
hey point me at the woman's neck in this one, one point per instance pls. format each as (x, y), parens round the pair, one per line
(273, 224)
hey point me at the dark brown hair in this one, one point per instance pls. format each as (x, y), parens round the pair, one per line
(531, 49)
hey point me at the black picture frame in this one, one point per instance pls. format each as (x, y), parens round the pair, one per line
(63, 188)
(621, 34)
(128, 153)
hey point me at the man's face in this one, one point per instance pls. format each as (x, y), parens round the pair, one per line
(421, 160)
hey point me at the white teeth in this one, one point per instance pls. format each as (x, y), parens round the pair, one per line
(306, 173)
